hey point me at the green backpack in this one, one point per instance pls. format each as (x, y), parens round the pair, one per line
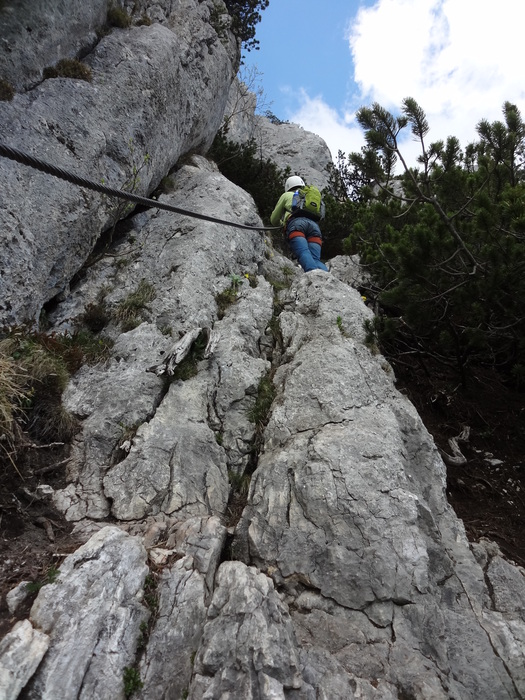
(307, 201)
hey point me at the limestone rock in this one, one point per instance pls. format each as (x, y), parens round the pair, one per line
(347, 513)
(92, 616)
(341, 571)
(157, 92)
(16, 596)
(248, 646)
(173, 462)
(286, 144)
(184, 593)
(37, 35)
(21, 650)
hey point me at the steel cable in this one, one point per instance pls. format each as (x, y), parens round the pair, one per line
(31, 161)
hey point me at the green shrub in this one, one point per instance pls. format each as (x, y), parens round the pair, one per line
(69, 68)
(260, 412)
(12, 391)
(228, 296)
(444, 241)
(132, 681)
(35, 368)
(246, 15)
(95, 316)
(242, 164)
(144, 21)
(129, 310)
(216, 20)
(117, 17)
(50, 577)
(189, 366)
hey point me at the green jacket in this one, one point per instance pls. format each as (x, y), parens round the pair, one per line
(282, 210)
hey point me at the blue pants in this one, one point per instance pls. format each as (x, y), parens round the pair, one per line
(308, 254)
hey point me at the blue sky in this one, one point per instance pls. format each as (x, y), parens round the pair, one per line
(320, 61)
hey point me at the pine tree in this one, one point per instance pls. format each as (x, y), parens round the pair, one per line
(246, 15)
(445, 240)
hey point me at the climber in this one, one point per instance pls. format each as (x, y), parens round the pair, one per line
(302, 232)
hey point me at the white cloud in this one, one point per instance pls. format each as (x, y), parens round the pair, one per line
(459, 59)
(339, 132)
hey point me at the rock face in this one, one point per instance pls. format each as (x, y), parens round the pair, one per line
(137, 113)
(286, 144)
(38, 35)
(268, 519)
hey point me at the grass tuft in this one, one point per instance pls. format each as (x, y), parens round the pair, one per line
(117, 17)
(129, 310)
(7, 91)
(69, 68)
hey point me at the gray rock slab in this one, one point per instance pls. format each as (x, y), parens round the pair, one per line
(248, 647)
(16, 596)
(184, 592)
(36, 35)
(288, 145)
(21, 651)
(111, 400)
(173, 461)
(174, 464)
(92, 616)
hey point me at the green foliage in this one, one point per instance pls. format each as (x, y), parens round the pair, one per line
(144, 21)
(95, 316)
(252, 280)
(166, 330)
(228, 296)
(246, 15)
(50, 577)
(273, 119)
(243, 165)
(68, 68)
(217, 21)
(444, 242)
(260, 412)
(13, 392)
(117, 17)
(239, 482)
(132, 681)
(144, 632)
(342, 329)
(34, 370)
(129, 310)
(340, 216)
(151, 597)
(7, 91)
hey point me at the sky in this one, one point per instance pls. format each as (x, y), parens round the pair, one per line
(319, 62)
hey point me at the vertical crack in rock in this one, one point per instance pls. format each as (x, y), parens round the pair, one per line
(363, 521)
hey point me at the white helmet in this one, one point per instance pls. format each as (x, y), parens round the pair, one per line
(293, 182)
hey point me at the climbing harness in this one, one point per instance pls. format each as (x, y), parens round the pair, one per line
(32, 162)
